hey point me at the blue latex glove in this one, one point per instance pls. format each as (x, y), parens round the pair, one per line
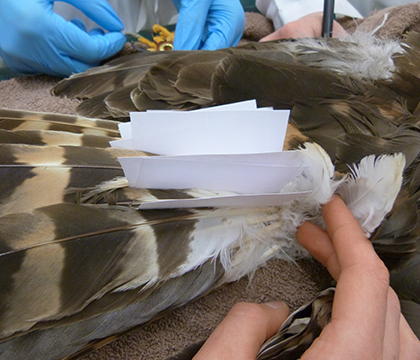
(208, 24)
(36, 40)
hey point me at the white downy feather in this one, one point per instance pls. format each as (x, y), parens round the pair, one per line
(370, 193)
(360, 54)
(245, 239)
(270, 232)
(371, 190)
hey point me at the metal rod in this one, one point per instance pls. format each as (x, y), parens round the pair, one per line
(328, 18)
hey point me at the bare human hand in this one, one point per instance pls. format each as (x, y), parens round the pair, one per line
(242, 332)
(309, 26)
(366, 319)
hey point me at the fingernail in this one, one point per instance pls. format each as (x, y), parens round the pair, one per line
(276, 305)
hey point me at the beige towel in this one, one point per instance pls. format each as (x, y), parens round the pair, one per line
(389, 23)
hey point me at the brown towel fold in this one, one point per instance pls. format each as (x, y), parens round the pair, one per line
(389, 23)
(256, 27)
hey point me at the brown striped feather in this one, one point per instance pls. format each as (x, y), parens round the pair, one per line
(50, 137)
(28, 120)
(35, 176)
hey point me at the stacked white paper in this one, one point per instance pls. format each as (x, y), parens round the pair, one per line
(235, 148)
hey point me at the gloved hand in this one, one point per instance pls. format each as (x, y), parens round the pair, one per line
(36, 40)
(208, 24)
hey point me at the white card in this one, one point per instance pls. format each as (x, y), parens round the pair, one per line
(235, 148)
(247, 200)
(125, 131)
(242, 174)
(207, 132)
(125, 128)
(242, 105)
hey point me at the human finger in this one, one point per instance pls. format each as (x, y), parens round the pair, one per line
(95, 31)
(348, 239)
(392, 327)
(89, 48)
(222, 34)
(400, 342)
(361, 299)
(191, 23)
(100, 11)
(308, 26)
(409, 343)
(338, 30)
(216, 40)
(225, 24)
(243, 331)
(69, 61)
(79, 23)
(318, 243)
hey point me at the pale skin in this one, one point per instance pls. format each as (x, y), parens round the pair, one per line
(309, 26)
(366, 320)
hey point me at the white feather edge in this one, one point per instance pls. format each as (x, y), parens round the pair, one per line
(245, 239)
(245, 242)
(372, 188)
(360, 54)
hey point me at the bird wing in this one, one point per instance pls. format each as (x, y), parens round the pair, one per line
(188, 80)
(77, 253)
(351, 109)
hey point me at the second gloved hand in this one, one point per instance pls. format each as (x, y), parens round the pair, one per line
(36, 40)
(208, 24)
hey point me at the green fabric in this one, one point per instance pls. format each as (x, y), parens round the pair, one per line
(249, 5)
(6, 73)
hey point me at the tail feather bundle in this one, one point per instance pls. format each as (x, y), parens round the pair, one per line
(84, 224)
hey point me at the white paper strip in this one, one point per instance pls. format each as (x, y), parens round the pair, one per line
(242, 105)
(125, 132)
(242, 174)
(247, 200)
(125, 128)
(234, 147)
(123, 143)
(207, 132)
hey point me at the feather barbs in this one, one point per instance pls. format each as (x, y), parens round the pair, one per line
(364, 191)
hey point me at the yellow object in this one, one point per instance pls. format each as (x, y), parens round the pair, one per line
(163, 40)
(158, 39)
(150, 44)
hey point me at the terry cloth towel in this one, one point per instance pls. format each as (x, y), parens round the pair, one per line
(390, 23)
